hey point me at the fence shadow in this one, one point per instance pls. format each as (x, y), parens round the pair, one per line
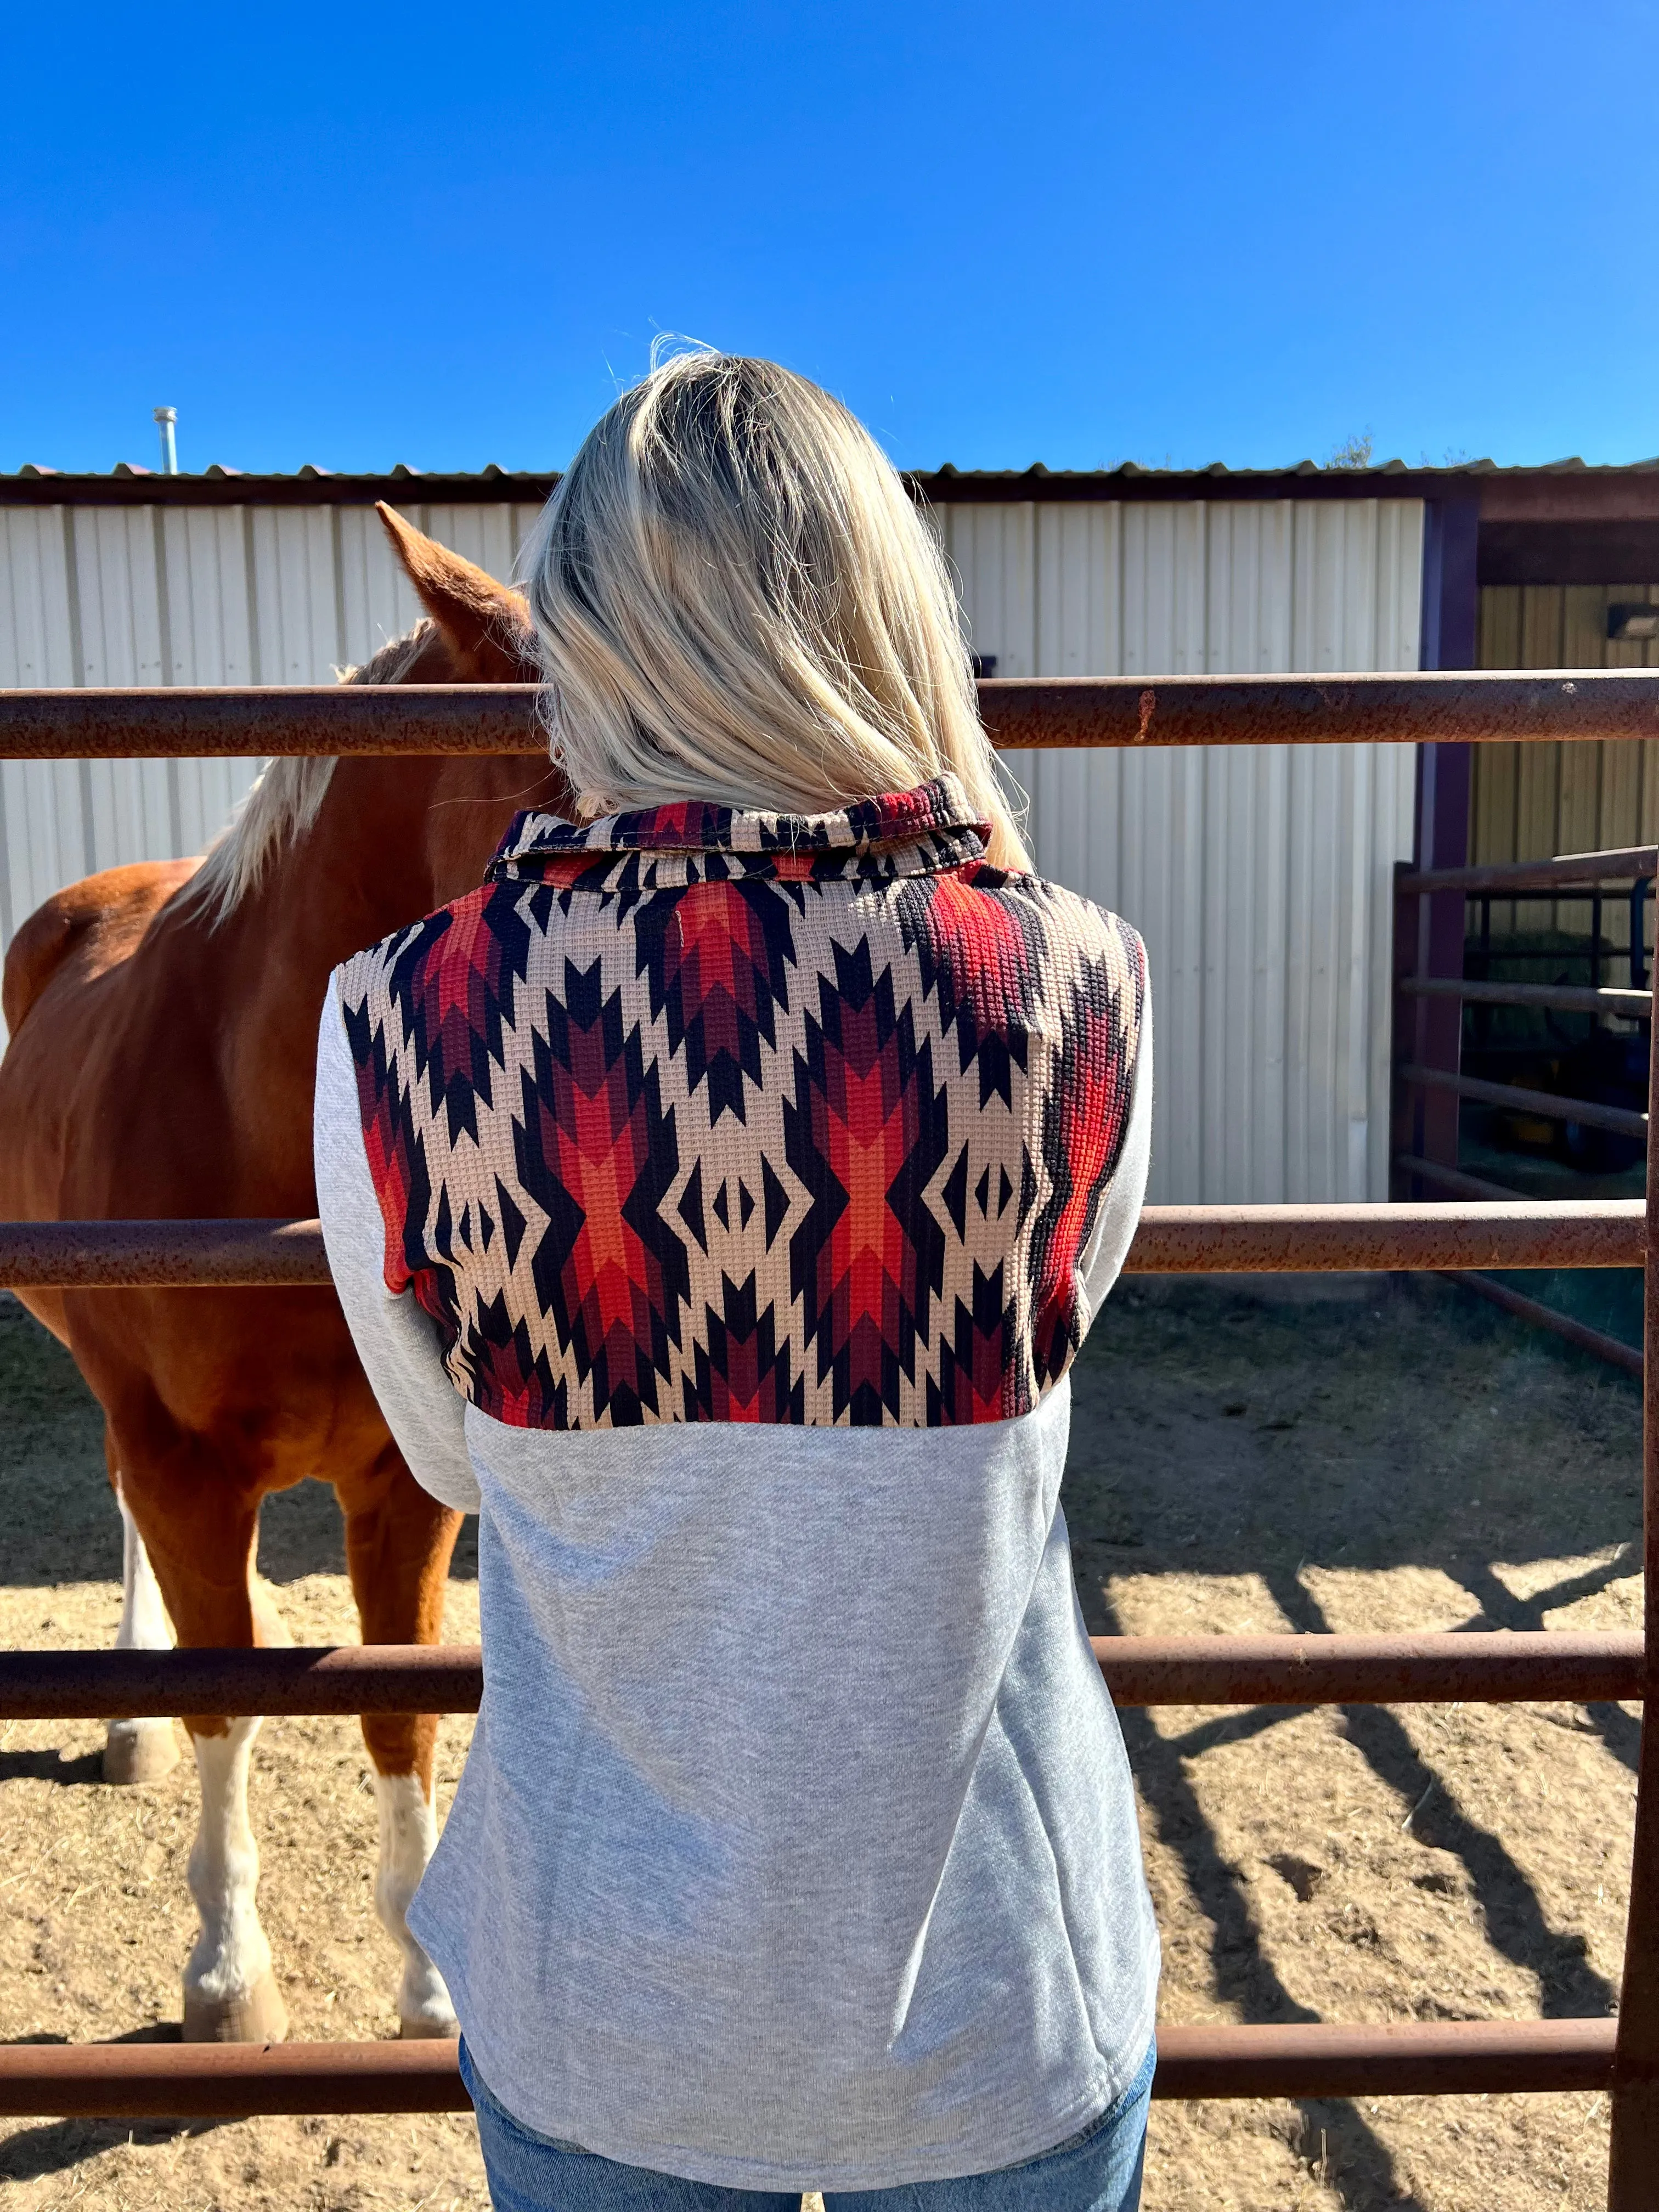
(1221, 1437)
(56, 1505)
(55, 2146)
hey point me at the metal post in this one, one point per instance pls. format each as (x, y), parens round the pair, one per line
(165, 419)
(1633, 2169)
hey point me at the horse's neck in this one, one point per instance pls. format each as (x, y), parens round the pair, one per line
(392, 839)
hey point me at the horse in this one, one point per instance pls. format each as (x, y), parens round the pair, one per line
(163, 1024)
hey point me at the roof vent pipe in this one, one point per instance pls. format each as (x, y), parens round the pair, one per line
(165, 419)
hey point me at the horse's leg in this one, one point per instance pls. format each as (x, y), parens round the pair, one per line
(199, 1528)
(138, 1750)
(398, 1542)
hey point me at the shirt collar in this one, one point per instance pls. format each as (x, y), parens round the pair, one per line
(939, 808)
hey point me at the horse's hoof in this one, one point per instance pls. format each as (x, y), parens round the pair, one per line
(257, 2015)
(140, 1751)
(424, 2012)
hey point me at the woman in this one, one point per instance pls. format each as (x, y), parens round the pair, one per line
(796, 1848)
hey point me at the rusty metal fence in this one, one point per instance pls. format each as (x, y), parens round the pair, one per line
(1321, 2059)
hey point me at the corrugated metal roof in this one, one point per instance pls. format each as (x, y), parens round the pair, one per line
(1569, 487)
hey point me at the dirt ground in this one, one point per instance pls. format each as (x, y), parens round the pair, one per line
(1390, 1456)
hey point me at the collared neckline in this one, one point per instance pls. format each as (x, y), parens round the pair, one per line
(936, 808)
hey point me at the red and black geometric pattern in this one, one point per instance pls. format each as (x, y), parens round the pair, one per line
(701, 1116)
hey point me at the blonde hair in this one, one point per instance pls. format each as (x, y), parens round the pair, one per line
(736, 601)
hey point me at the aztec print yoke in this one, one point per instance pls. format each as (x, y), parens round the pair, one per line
(695, 1114)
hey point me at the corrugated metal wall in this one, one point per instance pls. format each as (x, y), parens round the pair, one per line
(1529, 802)
(1259, 879)
(185, 595)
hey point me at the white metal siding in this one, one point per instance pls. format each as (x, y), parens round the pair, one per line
(1258, 877)
(185, 595)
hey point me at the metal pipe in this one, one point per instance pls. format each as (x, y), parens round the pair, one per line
(1415, 2058)
(1559, 998)
(1638, 950)
(161, 1254)
(1499, 1668)
(1633, 2163)
(239, 723)
(1170, 1240)
(165, 419)
(1532, 1667)
(1314, 2058)
(1513, 876)
(1577, 1333)
(1310, 1239)
(1548, 1102)
(1452, 1179)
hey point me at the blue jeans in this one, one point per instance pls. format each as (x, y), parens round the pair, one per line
(1097, 2171)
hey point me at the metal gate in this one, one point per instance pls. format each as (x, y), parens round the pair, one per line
(1319, 2059)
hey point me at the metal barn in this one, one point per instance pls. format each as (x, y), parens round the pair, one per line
(1261, 879)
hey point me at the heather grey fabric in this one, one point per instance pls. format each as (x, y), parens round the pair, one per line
(796, 1847)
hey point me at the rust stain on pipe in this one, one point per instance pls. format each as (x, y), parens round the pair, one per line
(1471, 708)
(243, 721)
(1478, 1668)
(1170, 1240)
(1139, 1670)
(162, 1254)
(1308, 1239)
(167, 722)
(196, 2081)
(375, 1677)
(201, 2080)
(1418, 2059)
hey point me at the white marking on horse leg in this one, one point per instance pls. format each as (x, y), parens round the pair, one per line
(409, 1835)
(230, 1992)
(139, 1750)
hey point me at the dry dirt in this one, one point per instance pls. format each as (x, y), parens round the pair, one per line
(1392, 1456)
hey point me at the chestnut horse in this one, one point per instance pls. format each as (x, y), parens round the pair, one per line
(163, 1022)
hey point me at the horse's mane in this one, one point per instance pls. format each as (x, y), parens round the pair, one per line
(283, 802)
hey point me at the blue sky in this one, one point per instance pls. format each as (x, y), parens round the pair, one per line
(360, 235)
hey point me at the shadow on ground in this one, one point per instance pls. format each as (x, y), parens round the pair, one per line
(1219, 1430)
(55, 1499)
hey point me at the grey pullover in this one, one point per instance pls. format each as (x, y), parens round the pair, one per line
(796, 1847)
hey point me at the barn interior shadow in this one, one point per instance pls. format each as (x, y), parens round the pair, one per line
(1271, 1431)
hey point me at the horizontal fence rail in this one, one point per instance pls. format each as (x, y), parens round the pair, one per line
(1550, 1104)
(1171, 1240)
(1020, 713)
(195, 2081)
(1539, 1315)
(1535, 1666)
(1622, 865)
(1559, 998)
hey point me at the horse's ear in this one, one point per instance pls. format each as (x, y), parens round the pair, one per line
(485, 625)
